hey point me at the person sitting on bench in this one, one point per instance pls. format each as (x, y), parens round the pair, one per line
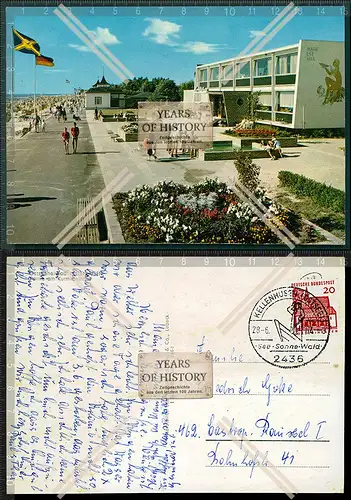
(269, 148)
(276, 146)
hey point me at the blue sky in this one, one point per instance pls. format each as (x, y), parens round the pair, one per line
(150, 44)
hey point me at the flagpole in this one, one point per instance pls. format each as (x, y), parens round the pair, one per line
(35, 83)
(13, 89)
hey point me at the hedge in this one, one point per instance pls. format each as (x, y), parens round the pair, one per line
(321, 194)
(313, 133)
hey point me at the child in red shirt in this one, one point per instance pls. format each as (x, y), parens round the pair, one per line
(65, 139)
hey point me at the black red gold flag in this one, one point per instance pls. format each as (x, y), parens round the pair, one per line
(44, 61)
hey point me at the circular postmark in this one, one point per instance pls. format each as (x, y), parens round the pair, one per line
(289, 327)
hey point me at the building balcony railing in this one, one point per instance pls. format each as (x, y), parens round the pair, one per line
(243, 82)
(283, 117)
(227, 83)
(285, 79)
(214, 84)
(262, 80)
(203, 85)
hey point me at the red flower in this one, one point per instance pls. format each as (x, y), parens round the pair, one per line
(210, 214)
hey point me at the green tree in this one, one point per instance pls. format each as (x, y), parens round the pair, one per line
(166, 89)
(253, 101)
(189, 85)
(134, 85)
(248, 172)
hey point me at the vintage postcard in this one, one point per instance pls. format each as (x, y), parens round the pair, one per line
(160, 124)
(175, 375)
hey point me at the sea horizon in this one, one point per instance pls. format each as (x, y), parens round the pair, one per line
(22, 96)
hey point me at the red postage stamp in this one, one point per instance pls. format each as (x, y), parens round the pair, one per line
(324, 292)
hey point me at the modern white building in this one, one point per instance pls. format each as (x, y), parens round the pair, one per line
(103, 95)
(301, 85)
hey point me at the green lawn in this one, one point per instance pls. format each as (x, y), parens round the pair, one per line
(331, 221)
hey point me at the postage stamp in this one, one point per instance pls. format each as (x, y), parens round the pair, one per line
(175, 375)
(325, 291)
(289, 326)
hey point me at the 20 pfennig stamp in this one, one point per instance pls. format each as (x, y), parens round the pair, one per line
(178, 375)
(289, 327)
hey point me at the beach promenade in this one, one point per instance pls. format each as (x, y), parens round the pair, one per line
(43, 184)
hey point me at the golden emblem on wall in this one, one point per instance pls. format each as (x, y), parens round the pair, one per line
(333, 91)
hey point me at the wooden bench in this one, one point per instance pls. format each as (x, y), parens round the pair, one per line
(87, 222)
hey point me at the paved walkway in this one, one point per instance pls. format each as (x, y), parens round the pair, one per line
(318, 159)
(128, 155)
(44, 183)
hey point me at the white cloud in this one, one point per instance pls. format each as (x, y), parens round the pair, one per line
(200, 47)
(167, 33)
(254, 34)
(100, 36)
(103, 35)
(162, 32)
(81, 48)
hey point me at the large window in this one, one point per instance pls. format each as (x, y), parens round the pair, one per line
(227, 76)
(97, 101)
(242, 70)
(286, 64)
(227, 72)
(265, 101)
(203, 75)
(214, 77)
(263, 67)
(214, 74)
(285, 101)
(203, 78)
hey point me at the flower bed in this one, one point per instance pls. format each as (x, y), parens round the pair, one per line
(256, 132)
(209, 212)
(131, 128)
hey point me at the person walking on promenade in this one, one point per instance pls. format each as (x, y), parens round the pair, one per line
(65, 140)
(37, 122)
(150, 148)
(43, 126)
(64, 114)
(75, 134)
(96, 113)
